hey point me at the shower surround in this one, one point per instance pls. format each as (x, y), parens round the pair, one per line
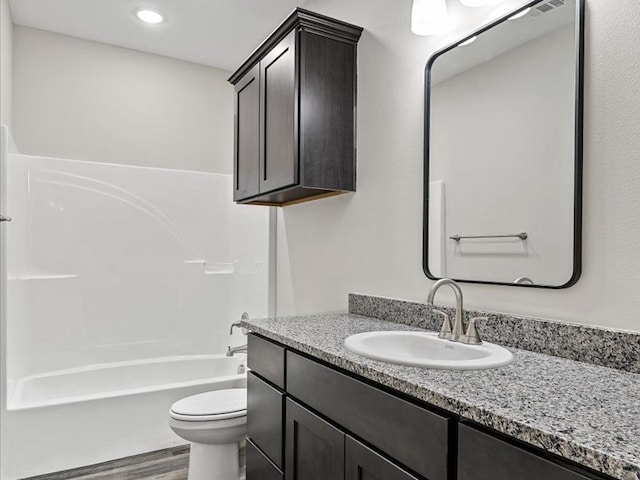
(121, 283)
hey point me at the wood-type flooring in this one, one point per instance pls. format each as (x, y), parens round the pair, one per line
(169, 464)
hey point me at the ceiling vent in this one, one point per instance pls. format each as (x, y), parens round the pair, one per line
(546, 7)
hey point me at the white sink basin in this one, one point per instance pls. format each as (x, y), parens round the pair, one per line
(425, 349)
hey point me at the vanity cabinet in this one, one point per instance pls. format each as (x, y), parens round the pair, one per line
(374, 415)
(316, 450)
(294, 124)
(319, 419)
(310, 421)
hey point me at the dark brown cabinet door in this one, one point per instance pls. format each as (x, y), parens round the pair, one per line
(247, 132)
(278, 155)
(314, 448)
(265, 407)
(363, 463)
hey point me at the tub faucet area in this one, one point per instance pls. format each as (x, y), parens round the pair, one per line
(239, 349)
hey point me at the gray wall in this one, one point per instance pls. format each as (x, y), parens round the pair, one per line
(90, 101)
(371, 241)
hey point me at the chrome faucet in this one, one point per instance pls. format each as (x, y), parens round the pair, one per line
(454, 332)
(233, 350)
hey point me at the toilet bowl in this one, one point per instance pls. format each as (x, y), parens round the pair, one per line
(214, 423)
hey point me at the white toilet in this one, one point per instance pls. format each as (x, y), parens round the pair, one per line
(214, 423)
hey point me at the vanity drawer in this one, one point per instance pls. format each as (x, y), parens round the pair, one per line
(416, 437)
(265, 411)
(266, 359)
(482, 456)
(259, 467)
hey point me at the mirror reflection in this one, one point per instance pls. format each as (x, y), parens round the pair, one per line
(502, 154)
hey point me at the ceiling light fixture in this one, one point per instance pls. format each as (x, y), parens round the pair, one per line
(429, 17)
(468, 42)
(149, 16)
(520, 14)
(477, 3)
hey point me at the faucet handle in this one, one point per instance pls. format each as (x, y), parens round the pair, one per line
(445, 330)
(472, 337)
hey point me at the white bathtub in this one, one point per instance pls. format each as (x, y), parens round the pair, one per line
(126, 378)
(69, 418)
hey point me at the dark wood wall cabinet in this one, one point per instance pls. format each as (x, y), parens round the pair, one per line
(295, 104)
(311, 421)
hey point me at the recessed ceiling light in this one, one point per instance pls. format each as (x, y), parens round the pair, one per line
(468, 42)
(147, 15)
(520, 14)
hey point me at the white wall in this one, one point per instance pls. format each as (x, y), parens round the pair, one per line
(85, 100)
(371, 241)
(6, 63)
(505, 152)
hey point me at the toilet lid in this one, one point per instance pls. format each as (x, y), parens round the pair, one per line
(217, 405)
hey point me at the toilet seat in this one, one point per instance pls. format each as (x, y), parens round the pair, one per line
(211, 406)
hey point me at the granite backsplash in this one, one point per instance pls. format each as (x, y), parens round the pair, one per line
(599, 346)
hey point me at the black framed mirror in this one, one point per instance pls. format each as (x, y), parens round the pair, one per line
(503, 151)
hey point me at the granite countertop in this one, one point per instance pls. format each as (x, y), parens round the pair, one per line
(582, 412)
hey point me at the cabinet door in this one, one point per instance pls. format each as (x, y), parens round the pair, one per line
(265, 407)
(314, 448)
(247, 134)
(363, 463)
(279, 111)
